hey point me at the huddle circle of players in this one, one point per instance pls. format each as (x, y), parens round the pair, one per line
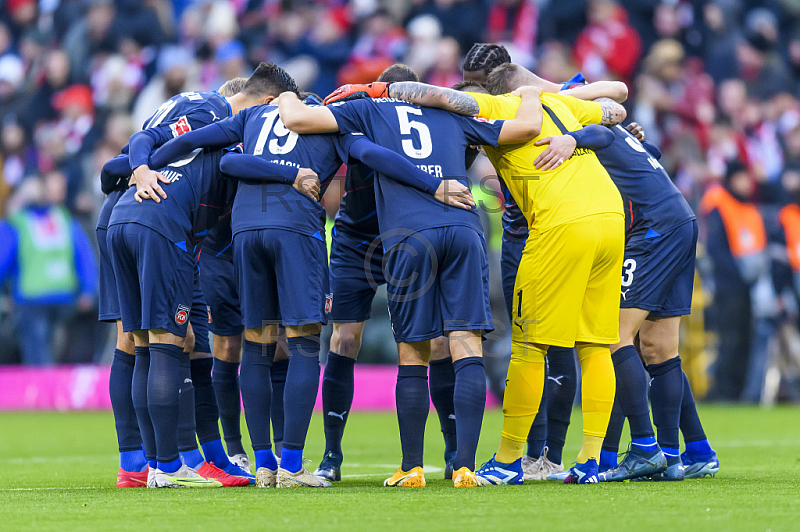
(223, 230)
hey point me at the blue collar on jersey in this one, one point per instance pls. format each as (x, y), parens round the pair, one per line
(227, 104)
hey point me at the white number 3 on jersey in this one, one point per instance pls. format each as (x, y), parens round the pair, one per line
(628, 267)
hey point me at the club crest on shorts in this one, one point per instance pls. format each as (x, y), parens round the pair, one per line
(328, 303)
(182, 314)
(208, 309)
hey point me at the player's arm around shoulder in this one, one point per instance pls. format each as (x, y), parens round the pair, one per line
(437, 97)
(527, 125)
(300, 118)
(613, 113)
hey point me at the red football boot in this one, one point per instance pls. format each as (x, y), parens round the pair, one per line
(126, 479)
(209, 470)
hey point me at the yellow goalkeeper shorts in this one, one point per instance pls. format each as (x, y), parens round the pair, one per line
(567, 287)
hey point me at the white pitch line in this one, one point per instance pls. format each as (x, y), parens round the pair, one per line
(54, 488)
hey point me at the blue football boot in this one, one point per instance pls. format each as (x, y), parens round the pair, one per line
(698, 466)
(636, 463)
(331, 467)
(673, 472)
(499, 473)
(585, 473)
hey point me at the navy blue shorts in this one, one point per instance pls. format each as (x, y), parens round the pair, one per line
(510, 255)
(356, 272)
(155, 279)
(108, 299)
(658, 272)
(283, 277)
(218, 280)
(200, 317)
(437, 280)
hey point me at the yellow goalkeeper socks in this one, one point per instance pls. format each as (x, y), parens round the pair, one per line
(524, 386)
(597, 394)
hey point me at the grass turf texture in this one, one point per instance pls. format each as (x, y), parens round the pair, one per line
(58, 472)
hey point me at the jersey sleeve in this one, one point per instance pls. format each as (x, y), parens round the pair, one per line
(393, 165)
(254, 168)
(653, 149)
(479, 130)
(344, 144)
(585, 112)
(502, 107)
(143, 142)
(350, 115)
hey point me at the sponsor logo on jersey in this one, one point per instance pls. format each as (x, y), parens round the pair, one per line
(182, 314)
(171, 175)
(180, 127)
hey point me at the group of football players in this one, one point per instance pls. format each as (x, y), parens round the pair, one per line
(213, 221)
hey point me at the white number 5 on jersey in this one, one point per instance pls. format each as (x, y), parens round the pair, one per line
(406, 126)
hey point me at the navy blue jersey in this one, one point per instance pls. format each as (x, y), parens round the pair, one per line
(189, 110)
(220, 237)
(412, 131)
(197, 192)
(279, 205)
(357, 213)
(654, 202)
(181, 113)
(514, 223)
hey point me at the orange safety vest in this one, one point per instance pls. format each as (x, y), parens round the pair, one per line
(789, 216)
(744, 225)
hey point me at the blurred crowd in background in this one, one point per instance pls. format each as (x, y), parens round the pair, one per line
(713, 83)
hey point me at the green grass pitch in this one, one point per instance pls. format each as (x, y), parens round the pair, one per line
(58, 473)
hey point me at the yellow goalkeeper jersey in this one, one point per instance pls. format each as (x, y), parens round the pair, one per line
(579, 188)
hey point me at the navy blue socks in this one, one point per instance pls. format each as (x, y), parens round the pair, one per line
(129, 440)
(205, 403)
(632, 382)
(413, 403)
(610, 451)
(163, 392)
(666, 396)
(561, 384)
(303, 381)
(692, 429)
(141, 371)
(337, 398)
(442, 383)
(225, 377)
(257, 392)
(187, 439)
(469, 403)
(279, 370)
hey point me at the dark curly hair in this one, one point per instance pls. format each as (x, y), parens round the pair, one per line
(269, 79)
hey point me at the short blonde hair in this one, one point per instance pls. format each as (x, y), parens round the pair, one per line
(232, 86)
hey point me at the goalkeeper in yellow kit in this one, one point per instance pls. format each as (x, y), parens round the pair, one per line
(567, 288)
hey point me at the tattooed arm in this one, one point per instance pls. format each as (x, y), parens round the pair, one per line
(613, 113)
(429, 96)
